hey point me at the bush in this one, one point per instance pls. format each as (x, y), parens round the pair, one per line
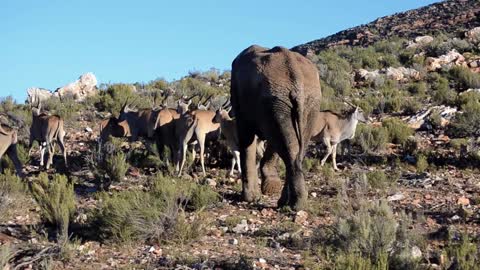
(467, 123)
(379, 180)
(113, 97)
(464, 77)
(422, 163)
(442, 93)
(67, 108)
(371, 139)
(464, 254)
(335, 71)
(398, 131)
(157, 215)
(116, 166)
(56, 199)
(12, 195)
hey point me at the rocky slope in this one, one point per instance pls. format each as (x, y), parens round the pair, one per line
(454, 16)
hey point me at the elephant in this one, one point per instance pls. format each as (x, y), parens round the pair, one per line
(275, 94)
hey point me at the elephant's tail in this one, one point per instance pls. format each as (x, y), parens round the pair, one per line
(298, 99)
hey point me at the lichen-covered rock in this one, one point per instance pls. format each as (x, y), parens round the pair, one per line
(82, 88)
(451, 58)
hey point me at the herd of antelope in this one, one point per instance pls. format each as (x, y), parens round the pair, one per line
(273, 113)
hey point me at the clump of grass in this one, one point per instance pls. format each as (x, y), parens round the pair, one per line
(378, 179)
(466, 124)
(12, 194)
(56, 199)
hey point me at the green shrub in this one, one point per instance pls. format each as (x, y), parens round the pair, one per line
(67, 108)
(156, 215)
(56, 199)
(464, 77)
(378, 180)
(113, 97)
(417, 88)
(467, 123)
(464, 254)
(12, 195)
(442, 94)
(371, 139)
(422, 163)
(116, 166)
(335, 71)
(398, 131)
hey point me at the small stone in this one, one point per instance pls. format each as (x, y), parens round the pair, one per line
(314, 194)
(455, 218)
(262, 260)
(211, 182)
(301, 217)
(463, 201)
(233, 241)
(151, 249)
(89, 129)
(396, 197)
(416, 252)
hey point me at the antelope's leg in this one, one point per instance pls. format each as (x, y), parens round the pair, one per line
(201, 141)
(334, 156)
(233, 166)
(42, 152)
(61, 144)
(183, 156)
(237, 157)
(329, 150)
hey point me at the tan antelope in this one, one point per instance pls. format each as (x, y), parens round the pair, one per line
(8, 144)
(198, 123)
(47, 130)
(331, 129)
(142, 123)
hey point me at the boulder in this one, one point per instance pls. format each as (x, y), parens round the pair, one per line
(366, 75)
(420, 41)
(402, 73)
(473, 35)
(417, 121)
(35, 95)
(451, 58)
(82, 88)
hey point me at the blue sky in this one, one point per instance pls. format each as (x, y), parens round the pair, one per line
(51, 43)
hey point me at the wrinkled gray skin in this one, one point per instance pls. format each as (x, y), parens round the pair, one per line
(275, 94)
(8, 144)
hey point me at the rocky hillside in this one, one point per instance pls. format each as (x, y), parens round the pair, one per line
(454, 16)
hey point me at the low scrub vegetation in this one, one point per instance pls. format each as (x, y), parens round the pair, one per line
(157, 215)
(12, 195)
(398, 131)
(56, 199)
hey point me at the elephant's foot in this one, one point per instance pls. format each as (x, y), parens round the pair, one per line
(271, 186)
(250, 196)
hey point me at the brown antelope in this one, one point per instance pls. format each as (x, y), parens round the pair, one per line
(198, 123)
(142, 123)
(331, 129)
(8, 144)
(47, 130)
(113, 127)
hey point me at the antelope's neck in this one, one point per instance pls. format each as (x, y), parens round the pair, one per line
(349, 126)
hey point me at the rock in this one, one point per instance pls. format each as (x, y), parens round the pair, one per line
(418, 121)
(211, 182)
(366, 75)
(463, 201)
(89, 129)
(242, 227)
(473, 34)
(396, 197)
(451, 58)
(416, 253)
(314, 194)
(402, 73)
(455, 218)
(233, 241)
(420, 41)
(82, 88)
(301, 217)
(35, 95)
